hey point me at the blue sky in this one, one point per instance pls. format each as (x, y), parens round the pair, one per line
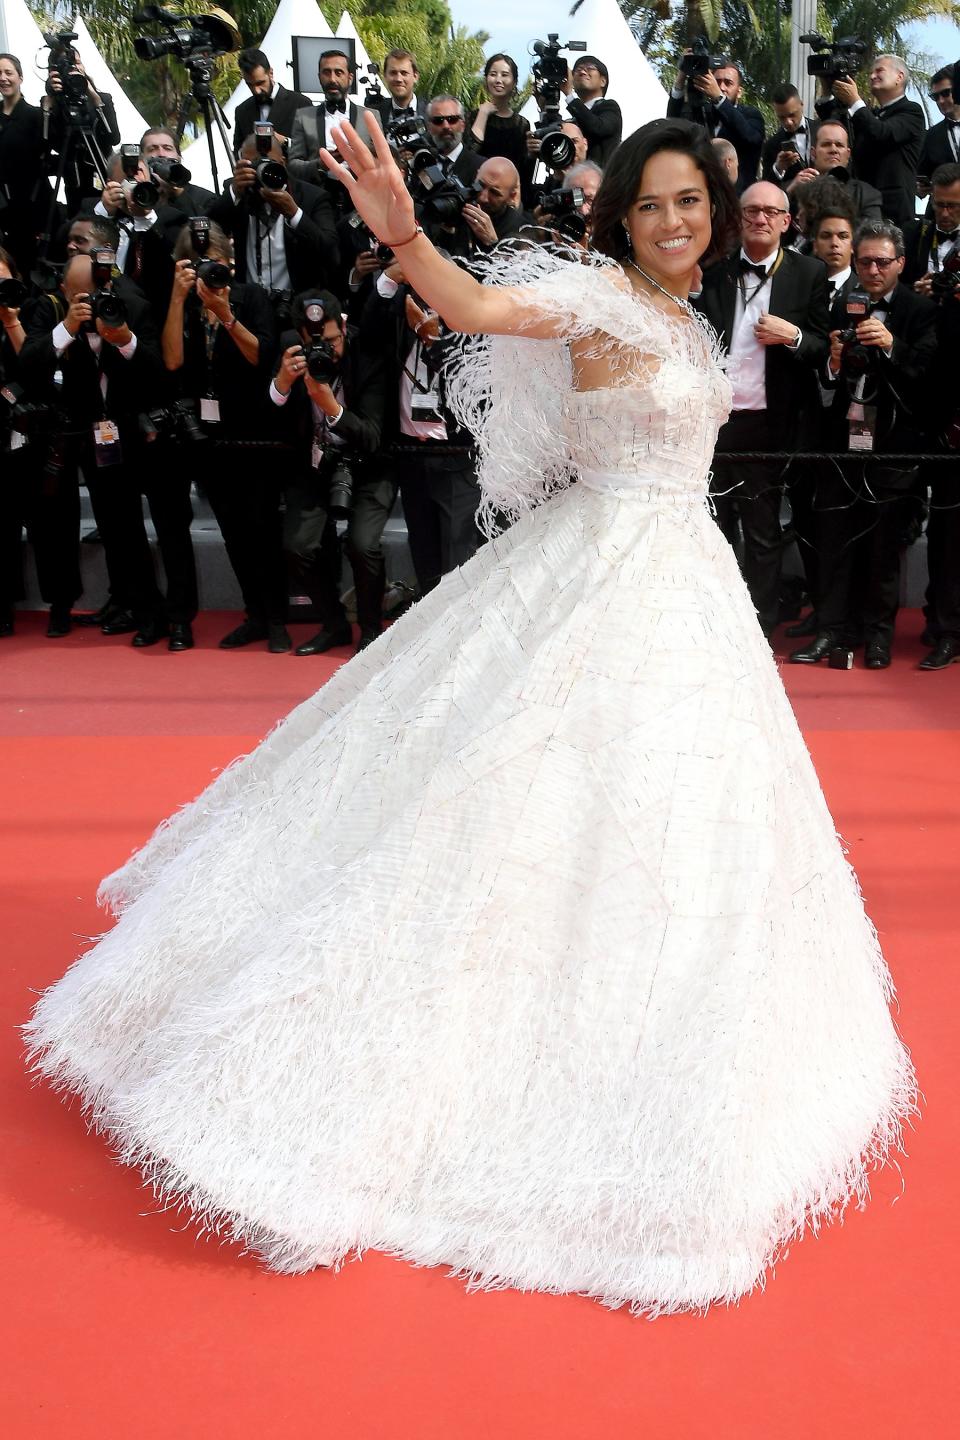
(512, 27)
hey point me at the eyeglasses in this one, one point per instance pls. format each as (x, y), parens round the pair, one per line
(445, 119)
(949, 205)
(942, 94)
(769, 212)
(876, 262)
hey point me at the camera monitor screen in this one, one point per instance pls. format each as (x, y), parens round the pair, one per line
(307, 50)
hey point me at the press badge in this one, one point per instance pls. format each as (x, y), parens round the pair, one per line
(862, 422)
(425, 407)
(210, 409)
(316, 454)
(106, 444)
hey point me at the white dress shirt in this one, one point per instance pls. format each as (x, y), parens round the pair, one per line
(747, 369)
(268, 232)
(139, 223)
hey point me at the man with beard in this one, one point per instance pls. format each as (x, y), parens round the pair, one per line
(313, 128)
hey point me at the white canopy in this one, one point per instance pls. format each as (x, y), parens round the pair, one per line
(633, 83)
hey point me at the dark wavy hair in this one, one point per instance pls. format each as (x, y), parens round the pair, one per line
(623, 176)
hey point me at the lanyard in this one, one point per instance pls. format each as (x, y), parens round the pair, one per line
(742, 284)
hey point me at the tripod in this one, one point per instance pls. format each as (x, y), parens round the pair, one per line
(78, 127)
(202, 97)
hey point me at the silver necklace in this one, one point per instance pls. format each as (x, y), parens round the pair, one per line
(684, 304)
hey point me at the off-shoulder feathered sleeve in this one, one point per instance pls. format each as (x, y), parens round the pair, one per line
(509, 390)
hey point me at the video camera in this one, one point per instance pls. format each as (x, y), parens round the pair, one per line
(565, 206)
(195, 40)
(549, 74)
(172, 172)
(834, 59)
(372, 86)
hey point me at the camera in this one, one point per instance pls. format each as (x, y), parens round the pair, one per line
(322, 362)
(195, 40)
(64, 61)
(268, 174)
(12, 294)
(549, 74)
(834, 59)
(442, 197)
(18, 413)
(564, 207)
(362, 240)
(410, 133)
(175, 422)
(173, 172)
(214, 274)
(944, 283)
(145, 193)
(340, 493)
(372, 86)
(698, 62)
(856, 358)
(104, 304)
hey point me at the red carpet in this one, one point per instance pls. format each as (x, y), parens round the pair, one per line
(118, 1324)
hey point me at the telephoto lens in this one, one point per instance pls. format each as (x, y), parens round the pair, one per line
(146, 194)
(271, 175)
(109, 308)
(164, 167)
(12, 293)
(322, 363)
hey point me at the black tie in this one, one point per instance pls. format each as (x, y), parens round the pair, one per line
(265, 101)
(402, 114)
(332, 106)
(747, 267)
(944, 237)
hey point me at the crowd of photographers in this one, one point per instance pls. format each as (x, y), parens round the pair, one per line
(261, 345)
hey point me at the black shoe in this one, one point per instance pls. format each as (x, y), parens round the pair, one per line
(92, 537)
(278, 639)
(818, 650)
(59, 623)
(97, 617)
(181, 636)
(325, 640)
(367, 637)
(807, 626)
(151, 634)
(244, 634)
(945, 653)
(120, 622)
(877, 655)
(6, 622)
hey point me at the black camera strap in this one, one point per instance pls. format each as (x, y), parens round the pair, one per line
(767, 280)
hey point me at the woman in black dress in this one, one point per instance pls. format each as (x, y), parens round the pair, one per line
(497, 128)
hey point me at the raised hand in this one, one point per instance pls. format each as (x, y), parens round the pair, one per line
(374, 182)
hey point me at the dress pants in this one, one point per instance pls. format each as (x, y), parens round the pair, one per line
(243, 487)
(860, 549)
(313, 548)
(751, 493)
(440, 497)
(118, 512)
(943, 550)
(167, 473)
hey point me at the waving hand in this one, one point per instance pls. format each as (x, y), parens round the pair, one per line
(375, 182)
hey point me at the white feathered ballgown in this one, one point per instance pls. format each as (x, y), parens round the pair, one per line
(526, 946)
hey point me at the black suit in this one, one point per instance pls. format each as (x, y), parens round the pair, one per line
(24, 188)
(867, 201)
(860, 543)
(918, 239)
(797, 290)
(80, 176)
(312, 249)
(885, 150)
(943, 526)
(602, 126)
(309, 534)
(742, 125)
(771, 149)
(131, 385)
(936, 149)
(280, 113)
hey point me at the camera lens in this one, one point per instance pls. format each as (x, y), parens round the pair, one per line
(214, 274)
(146, 194)
(12, 293)
(272, 175)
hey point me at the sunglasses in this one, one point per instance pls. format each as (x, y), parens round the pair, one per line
(942, 94)
(445, 119)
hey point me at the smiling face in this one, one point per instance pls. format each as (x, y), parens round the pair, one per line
(499, 81)
(10, 82)
(669, 222)
(400, 78)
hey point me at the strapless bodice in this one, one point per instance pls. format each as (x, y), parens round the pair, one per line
(658, 437)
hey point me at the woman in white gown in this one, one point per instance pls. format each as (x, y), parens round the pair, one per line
(526, 945)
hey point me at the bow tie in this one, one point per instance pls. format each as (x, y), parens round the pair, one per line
(747, 267)
(947, 235)
(265, 101)
(332, 106)
(398, 114)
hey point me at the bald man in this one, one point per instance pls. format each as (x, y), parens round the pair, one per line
(769, 307)
(887, 140)
(497, 214)
(728, 157)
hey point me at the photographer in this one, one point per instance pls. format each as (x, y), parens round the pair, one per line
(556, 170)
(145, 246)
(160, 153)
(72, 105)
(283, 230)
(941, 143)
(769, 307)
(707, 89)
(599, 119)
(873, 388)
(886, 141)
(432, 460)
(933, 269)
(565, 214)
(93, 354)
(219, 342)
(24, 189)
(497, 214)
(830, 156)
(268, 101)
(331, 390)
(789, 147)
